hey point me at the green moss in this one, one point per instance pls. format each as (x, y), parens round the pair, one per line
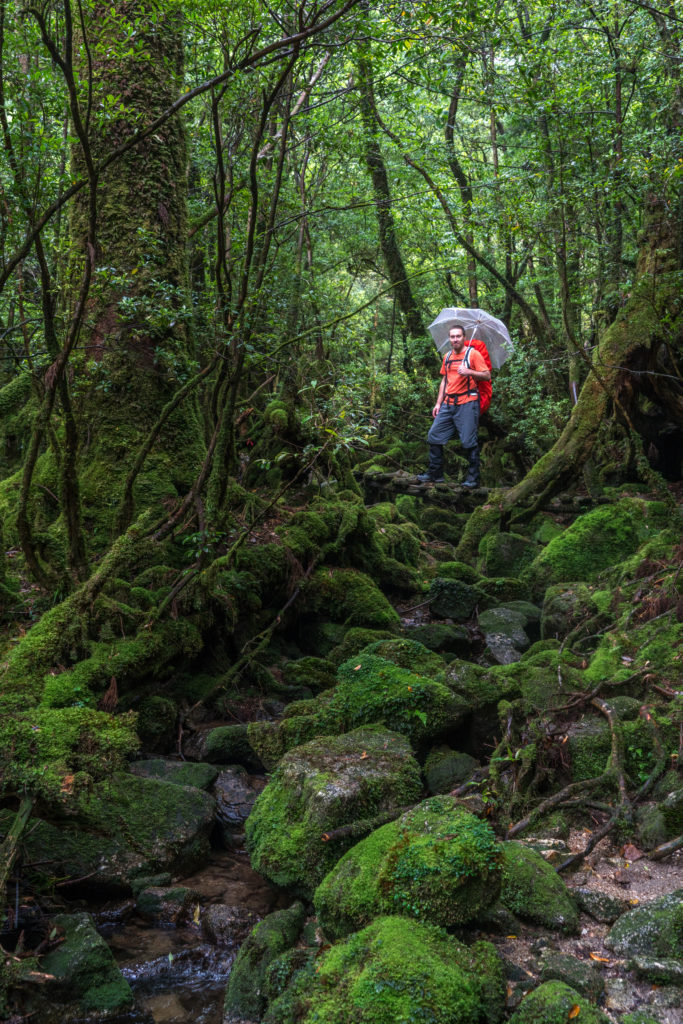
(552, 1003)
(398, 971)
(84, 967)
(310, 673)
(351, 597)
(445, 769)
(246, 991)
(501, 590)
(438, 862)
(457, 571)
(507, 553)
(652, 930)
(533, 891)
(369, 690)
(355, 640)
(317, 787)
(595, 541)
(157, 723)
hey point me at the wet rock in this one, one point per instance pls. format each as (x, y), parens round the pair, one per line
(599, 905)
(182, 773)
(437, 862)
(619, 995)
(454, 640)
(127, 827)
(652, 930)
(330, 782)
(148, 881)
(553, 1002)
(274, 935)
(235, 798)
(499, 650)
(445, 769)
(578, 974)
(225, 925)
(172, 906)
(506, 621)
(660, 972)
(229, 744)
(452, 599)
(395, 970)
(497, 919)
(84, 968)
(534, 892)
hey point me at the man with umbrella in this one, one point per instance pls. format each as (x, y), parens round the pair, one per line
(457, 407)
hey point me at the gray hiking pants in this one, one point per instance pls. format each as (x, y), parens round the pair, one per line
(462, 420)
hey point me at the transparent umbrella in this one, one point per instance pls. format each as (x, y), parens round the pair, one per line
(478, 324)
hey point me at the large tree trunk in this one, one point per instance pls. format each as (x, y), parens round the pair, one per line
(136, 344)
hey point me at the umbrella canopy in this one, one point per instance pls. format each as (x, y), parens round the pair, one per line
(478, 324)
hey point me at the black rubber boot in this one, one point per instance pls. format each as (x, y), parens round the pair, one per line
(434, 474)
(472, 478)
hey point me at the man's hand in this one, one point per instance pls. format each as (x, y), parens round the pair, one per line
(464, 372)
(435, 410)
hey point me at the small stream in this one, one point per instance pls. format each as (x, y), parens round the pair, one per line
(176, 975)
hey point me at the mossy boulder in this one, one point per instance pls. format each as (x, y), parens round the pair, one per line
(409, 653)
(507, 553)
(370, 689)
(312, 674)
(180, 773)
(445, 768)
(318, 787)
(452, 599)
(457, 571)
(397, 971)
(597, 540)
(437, 862)
(654, 929)
(534, 892)
(552, 1003)
(565, 605)
(350, 597)
(501, 589)
(355, 640)
(229, 744)
(442, 639)
(245, 993)
(167, 906)
(125, 828)
(581, 975)
(84, 968)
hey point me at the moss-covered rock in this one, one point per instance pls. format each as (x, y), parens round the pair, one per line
(585, 977)
(507, 553)
(501, 589)
(407, 653)
(597, 540)
(180, 773)
(312, 674)
(350, 597)
(438, 862)
(654, 929)
(533, 891)
(274, 935)
(229, 744)
(552, 1003)
(442, 639)
(124, 828)
(84, 968)
(167, 906)
(370, 689)
(457, 571)
(354, 641)
(318, 787)
(451, 599)
(445, 768)
(397, 971)
(565, 605)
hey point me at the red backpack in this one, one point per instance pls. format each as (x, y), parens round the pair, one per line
(485, 386)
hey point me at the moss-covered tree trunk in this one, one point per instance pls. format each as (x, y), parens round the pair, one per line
(136, 345)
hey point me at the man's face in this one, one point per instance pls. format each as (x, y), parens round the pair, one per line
(457, 338)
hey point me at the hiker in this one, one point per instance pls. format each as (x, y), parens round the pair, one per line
(457, 408)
